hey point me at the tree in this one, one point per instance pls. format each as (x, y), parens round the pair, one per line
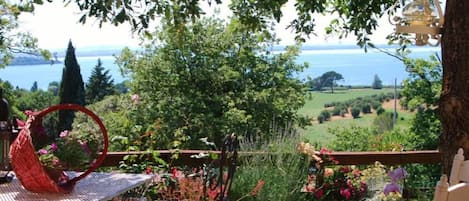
(353, 17)
(377, 83)
(209, 79)
(314, 84)
(54, 88)
(100, 84)
(72, 89)
(330, 78)
(421, 92)
(34, 87)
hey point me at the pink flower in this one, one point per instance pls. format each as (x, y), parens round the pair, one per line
(42, 151)
(148, 170)
(319, 193)
(328, 172)
(64, 133)
(53, 147)
(174, 172)
(55, 161)
(135, 98)
(346, 193)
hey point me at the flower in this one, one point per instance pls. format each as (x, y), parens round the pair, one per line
(71, 150)
(42, 151)
(397, 174)
(391, 187)
(135, 98)
(328, 172)
(346, 193)
(332, 183)
(63, 133)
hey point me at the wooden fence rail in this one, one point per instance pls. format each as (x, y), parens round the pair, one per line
(344, 158)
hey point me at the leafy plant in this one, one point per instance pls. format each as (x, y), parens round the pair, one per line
(70, 151)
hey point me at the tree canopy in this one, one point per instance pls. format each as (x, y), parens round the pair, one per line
(214, 79)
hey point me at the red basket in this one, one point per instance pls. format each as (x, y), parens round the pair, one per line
(25, 162)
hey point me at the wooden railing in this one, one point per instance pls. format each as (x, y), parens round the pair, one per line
(344, 158)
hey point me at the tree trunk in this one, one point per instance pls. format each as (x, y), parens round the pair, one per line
(454, 101)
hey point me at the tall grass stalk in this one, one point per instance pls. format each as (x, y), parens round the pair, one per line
(283, 169)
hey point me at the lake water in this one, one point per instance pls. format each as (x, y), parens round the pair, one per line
(356, 66)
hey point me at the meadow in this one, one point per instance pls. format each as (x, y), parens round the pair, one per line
(320, 134)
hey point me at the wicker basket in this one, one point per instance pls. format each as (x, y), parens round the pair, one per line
(25, 162)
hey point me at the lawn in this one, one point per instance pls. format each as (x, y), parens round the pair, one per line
(319, 133)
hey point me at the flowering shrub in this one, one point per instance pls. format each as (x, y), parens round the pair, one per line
(71, 151)
(338, 183)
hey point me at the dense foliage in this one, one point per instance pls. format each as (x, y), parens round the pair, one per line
(421, 92)
(207, 79)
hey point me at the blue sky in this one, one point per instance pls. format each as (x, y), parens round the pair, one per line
(53, 24)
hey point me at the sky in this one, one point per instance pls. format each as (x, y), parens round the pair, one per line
(54, 25)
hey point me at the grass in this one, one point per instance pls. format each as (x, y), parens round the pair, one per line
(319, 133)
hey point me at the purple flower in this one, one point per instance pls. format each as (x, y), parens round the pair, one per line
(42, 151)
(64, 133)
(397, 174)
(391, 187)
(85, 147)
(53, 147)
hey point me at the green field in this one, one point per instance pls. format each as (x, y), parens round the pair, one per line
(319, 133)
(315, 100)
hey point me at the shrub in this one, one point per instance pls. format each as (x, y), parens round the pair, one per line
(355, 112)
(326, 114)
(383, 122)
(321, 118)
(366, 108)
(375, 104)
(380, 110)
(336, 111)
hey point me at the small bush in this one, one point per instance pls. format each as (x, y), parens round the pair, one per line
(326, 114)
(321, 118)
(355, 112)
(380, 110)
(375, 104)
(366, 108)
(383, 122)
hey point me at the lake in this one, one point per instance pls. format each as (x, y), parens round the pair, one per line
(356, 66)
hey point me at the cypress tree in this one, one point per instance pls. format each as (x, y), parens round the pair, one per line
(72, 89)
(99, 84)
